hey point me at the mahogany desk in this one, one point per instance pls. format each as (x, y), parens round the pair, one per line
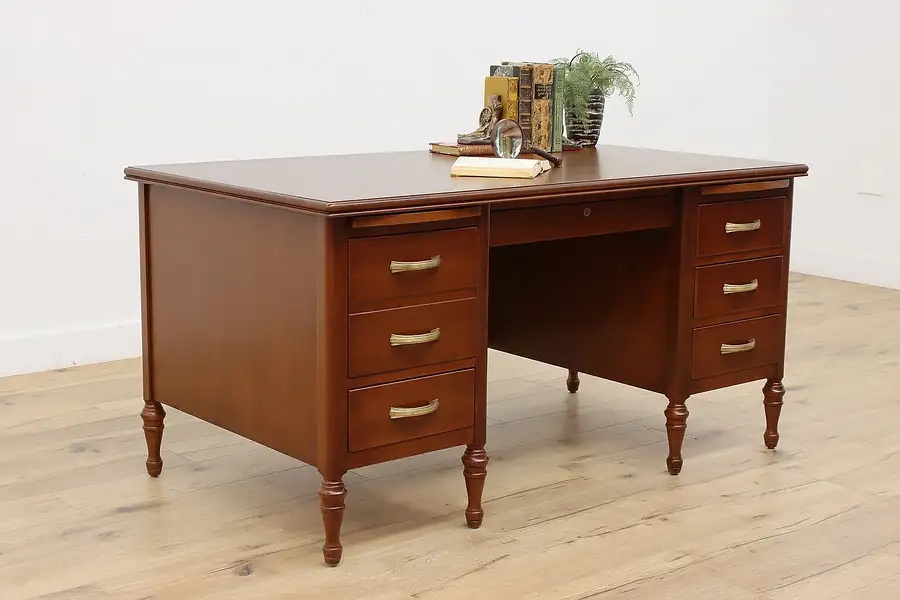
(339, 309)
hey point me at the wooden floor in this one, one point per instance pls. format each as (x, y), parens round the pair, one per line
(578, 501)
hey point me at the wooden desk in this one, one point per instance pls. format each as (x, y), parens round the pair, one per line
(339, 309)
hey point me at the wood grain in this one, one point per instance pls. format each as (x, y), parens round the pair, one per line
(410, 448)
(146, 312)
(572, 477)
(370, 424)
(525, 225)
(356, 183)
(732, 378)
(153, 416)
(739, 188)
(369, 336)
(475, 462)
(682, 247)
(773, 400)
(329, 428)
(599, 305)
(371, 279)
(272, 310)
(712, 238)
(222, 304)
(426, 216)
(708, 360)
(710, 300)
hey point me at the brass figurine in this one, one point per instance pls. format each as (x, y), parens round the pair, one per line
(488, 118)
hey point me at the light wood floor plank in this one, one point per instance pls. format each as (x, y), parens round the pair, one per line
(578, 504)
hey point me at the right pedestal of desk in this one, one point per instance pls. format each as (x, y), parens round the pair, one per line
(686, 295)
(732, 307)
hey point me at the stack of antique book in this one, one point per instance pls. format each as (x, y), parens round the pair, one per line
(531, 93)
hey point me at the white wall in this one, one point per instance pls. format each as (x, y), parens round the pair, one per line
(90, 87)
(835, 105)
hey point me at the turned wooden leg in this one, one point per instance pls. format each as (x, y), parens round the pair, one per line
(153, 414)
(475, 462)
(331, 501)
(773, 392)
(676, 423)
(572, 381)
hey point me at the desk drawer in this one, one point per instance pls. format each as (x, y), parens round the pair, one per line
(737, 346)
(741, 225)
(400, 338)
(397, 412)
(737, 286)
(412, 264)
(524, 225)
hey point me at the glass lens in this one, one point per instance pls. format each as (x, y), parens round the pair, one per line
(506, 138)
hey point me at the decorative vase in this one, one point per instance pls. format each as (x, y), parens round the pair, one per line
(587, 133)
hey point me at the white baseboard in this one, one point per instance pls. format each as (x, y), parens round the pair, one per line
(55, 350)
(882, 271)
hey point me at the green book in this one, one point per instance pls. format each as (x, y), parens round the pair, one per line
(558, 109)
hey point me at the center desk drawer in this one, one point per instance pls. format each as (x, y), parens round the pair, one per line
(396, 412)
(737, 286)
(413, 336)
(736, 346)
(740, 225)
(412, 264)
(543, 223)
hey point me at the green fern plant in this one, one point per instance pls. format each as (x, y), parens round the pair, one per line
(587, 73)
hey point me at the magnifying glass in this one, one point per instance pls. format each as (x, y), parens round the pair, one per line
(508, 141)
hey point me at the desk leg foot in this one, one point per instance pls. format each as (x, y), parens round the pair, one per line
(154, 416)
(676, 423)
(572, 381)
(331, 501)
(475, 462)
(773, 392)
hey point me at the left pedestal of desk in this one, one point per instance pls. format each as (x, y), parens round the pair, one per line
(251, 323)
(244, 313)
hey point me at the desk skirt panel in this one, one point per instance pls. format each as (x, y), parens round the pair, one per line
(601, 305)
(231, 338)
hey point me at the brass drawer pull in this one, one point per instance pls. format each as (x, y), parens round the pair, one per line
(739, 227)
(398, 266)
(735, 348)
(740, 288)
(416, 411)
(398, 339)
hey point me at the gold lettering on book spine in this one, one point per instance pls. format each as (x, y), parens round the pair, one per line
(525, 73)
(512, 98)
(542, 107)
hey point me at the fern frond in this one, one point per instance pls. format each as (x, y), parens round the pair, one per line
(587, 73)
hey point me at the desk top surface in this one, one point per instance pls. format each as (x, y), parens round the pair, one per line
(363, 182)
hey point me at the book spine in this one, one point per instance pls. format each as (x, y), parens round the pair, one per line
(512, 98)
(559, 74)
(504, 70)
(542, 107)
(476, 150)
(503, 87)
(525, 91)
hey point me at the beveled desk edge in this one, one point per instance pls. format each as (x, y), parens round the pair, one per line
(492, 196)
